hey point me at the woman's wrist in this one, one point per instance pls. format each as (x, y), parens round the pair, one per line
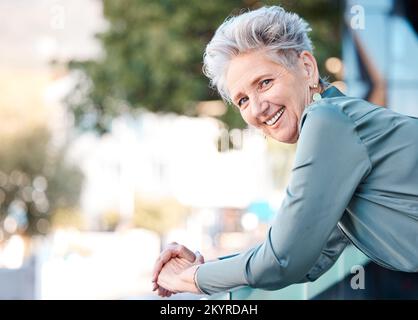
(190, 280)
(196, 284)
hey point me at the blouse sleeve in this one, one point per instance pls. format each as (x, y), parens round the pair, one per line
(330, 163)
(335, 245)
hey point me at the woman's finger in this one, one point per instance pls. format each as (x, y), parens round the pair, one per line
(164, 292)
(159, 264)
(172, 250)
(161, 291)
(165, 256)
(183, 252)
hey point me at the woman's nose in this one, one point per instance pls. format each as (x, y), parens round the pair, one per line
(259, 108)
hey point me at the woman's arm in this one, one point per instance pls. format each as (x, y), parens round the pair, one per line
(335, 245)
(330, 163)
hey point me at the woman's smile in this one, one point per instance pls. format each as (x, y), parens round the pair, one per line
(273, 120)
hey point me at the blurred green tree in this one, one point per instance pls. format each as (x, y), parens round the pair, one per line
(34, 182)
(152, 56)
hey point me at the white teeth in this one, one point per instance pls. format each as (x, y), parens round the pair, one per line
(276, 117)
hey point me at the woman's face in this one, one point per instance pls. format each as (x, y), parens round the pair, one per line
(270, 96)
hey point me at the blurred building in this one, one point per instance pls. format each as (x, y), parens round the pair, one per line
(380, 46)
(175, 156)
(191, 160)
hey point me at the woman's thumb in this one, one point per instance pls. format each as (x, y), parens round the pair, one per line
(199, 258)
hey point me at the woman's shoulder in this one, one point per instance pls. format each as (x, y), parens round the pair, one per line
(334, 112)
(325, 113)
(327, 131)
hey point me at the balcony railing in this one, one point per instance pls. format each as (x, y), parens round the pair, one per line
(349, 258)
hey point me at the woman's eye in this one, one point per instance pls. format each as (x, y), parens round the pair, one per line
(265, 82)
(241, 101)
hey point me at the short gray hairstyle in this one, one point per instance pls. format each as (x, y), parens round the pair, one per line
(284, 35)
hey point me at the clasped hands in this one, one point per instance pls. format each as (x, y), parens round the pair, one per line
(174, 270)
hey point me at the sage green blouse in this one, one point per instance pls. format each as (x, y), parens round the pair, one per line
(354, 180)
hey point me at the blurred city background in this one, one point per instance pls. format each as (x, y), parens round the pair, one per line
(113, 145)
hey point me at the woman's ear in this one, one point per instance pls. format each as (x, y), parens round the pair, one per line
(310, 67)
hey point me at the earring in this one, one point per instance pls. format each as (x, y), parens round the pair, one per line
(316, 96)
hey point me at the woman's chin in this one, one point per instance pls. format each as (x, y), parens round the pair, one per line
(283, 137)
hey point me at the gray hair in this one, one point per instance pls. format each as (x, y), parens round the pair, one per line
(284, 35)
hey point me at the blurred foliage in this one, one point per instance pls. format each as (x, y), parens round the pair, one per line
(68, 218)
(159, 216)
(153, 55)
(325, 18)
(35, 181)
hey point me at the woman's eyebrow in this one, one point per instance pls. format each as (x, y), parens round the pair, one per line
(253, 82)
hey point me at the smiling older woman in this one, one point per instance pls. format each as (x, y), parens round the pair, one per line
(355, 176)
